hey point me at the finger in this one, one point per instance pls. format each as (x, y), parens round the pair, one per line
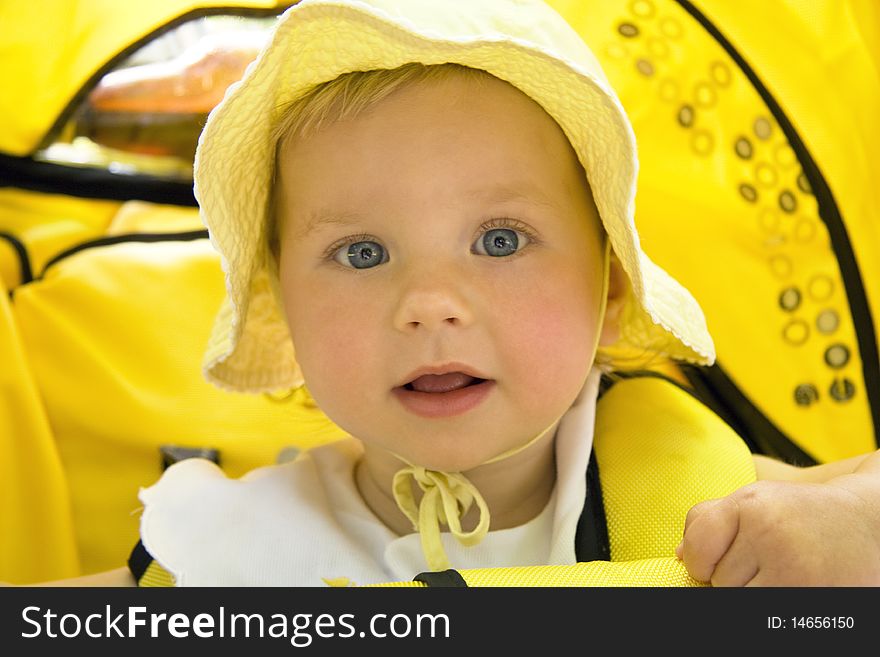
(697, 510)
(710, 528)
(738, 567)
(757, 581)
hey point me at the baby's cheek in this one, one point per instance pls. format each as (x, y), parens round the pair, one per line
(332, 346)
(553, 338)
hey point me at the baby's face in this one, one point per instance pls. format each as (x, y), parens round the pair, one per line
(441, 270)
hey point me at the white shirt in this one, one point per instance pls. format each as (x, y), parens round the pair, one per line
(299, 523)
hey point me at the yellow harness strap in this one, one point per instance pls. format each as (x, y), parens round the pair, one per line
(663, 571)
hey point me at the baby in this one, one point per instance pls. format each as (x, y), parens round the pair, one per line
(433, 204)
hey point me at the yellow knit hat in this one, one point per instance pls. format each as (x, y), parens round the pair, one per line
(523, 42)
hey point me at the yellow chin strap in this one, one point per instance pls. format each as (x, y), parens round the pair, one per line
(447, 496)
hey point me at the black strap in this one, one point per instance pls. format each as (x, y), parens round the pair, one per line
(172, 454)
(591, 541)
(443, 578)
(591, 538)
(146, 238)
(714, 387)
(24, 261)
(139, 561)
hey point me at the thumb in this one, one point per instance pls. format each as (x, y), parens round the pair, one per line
(709, 530)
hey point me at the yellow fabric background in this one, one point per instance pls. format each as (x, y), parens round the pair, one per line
(694, 221)
(114, 336)
(36, 526)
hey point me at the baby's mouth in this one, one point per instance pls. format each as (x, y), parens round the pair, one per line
(440, 383)
(443, 395)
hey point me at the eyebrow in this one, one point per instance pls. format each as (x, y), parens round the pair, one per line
(319, 218)
(520, 192)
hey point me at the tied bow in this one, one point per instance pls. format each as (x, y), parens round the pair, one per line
(446, 498)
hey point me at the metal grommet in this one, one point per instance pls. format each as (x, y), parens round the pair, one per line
(748, 192)
(702, 142)
(704, 94)
(804, 230)
(787, 201)
(642, 8)
(820, 287)
(827, 321)
(796, 332)
(743, 148)
(686, 116)
(645, 67)
(763, 128)
(842, 389)
(671, 28)
(781, 266)
(804, 184)
(836, 356)
(720, 73)
(628, 30)
(806, 394)
(790, 299)
(765, 174)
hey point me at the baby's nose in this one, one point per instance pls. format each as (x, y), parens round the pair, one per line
(432, 299)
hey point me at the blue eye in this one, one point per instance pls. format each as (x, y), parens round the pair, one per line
(361, 255)
(499, 242)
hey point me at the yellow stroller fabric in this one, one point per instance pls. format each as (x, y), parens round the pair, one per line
(114, 334)
(47, 207)
(36, 527)
(758, 198)
(54, 461)
(758, 133)
(667, 571)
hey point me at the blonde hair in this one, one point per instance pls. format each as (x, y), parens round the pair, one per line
(353, 93)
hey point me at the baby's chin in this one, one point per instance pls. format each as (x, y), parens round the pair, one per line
(451, 457)
(440, 456)
(452, 464)
(457, 447)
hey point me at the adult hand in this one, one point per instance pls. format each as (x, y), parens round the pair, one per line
(783, 533)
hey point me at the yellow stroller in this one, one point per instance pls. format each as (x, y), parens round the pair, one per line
(756, 127)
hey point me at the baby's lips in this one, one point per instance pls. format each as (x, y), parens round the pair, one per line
(442, 382)
(441, 377)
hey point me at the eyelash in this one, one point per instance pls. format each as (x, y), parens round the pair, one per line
(330, 253)
(500, 222)
(511, 224)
